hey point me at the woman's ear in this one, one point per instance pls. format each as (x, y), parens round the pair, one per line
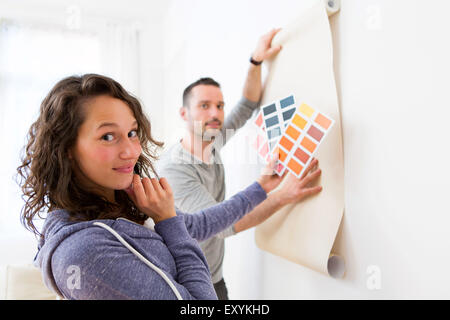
(69, 154)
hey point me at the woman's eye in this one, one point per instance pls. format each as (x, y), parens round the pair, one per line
(132, 133)
(110, 136)
(204, 106)
(107, 137)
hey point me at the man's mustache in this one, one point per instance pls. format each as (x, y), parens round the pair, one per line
(212, 121)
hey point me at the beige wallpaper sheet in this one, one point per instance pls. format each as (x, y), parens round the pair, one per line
(304, 233)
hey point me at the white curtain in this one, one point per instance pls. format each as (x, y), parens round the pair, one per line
(120, 54)
(33, 57)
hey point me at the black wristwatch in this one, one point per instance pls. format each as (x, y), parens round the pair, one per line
(256, 63)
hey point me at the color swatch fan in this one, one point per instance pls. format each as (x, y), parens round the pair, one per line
(271, 121)
(304, 133)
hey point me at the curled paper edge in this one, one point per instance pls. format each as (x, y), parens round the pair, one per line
(336, 266)
(332, 6)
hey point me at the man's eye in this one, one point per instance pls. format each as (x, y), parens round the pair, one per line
(204, 106)
(220, 107)
(108, 137)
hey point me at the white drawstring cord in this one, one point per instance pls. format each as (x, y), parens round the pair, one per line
(142, 258)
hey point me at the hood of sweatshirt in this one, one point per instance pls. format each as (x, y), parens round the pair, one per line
(58, 227)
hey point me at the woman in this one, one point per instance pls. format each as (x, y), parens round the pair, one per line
(78, 166)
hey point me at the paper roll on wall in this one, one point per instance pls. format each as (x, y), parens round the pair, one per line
(304, 233)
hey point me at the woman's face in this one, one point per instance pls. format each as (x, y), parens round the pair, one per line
(107, 146)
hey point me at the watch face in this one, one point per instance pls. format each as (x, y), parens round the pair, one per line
(256, 63)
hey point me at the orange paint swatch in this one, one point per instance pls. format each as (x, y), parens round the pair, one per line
(323, 121)
(294, 134)
(301, 155)
(295, 166)
(308, 144)
(286, 143)
(282, 155)
(299, 121)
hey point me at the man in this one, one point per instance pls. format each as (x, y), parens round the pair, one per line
(193, 166)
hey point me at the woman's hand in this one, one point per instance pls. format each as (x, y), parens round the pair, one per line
(152, 197)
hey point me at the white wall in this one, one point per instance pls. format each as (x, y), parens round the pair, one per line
(392, 70)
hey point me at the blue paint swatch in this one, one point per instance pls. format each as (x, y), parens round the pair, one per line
(286, 102)
(269, 109)
(271, 121)
(275, 132)
(288, 114)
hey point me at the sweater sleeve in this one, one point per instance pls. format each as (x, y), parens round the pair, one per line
(193, 275)
(191, 195)
(238, 117)
(106, 269)
(208, 222)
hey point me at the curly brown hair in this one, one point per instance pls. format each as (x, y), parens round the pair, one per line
(48, 181)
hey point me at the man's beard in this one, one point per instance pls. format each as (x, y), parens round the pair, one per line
(208, 134)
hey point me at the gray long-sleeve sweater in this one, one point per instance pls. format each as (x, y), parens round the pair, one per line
(80, 260)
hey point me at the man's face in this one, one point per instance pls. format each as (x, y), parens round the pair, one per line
(204, 114)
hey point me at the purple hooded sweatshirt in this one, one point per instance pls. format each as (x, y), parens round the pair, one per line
(81, 260)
